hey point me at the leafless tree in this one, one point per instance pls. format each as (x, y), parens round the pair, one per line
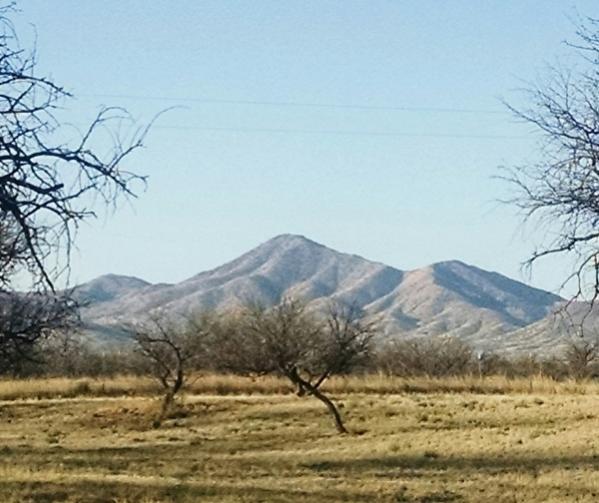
(13, 249)
(170, 348)
(51, 174)
(26, 320)
(433, 356)
(580, 355)
(348, 339)
(561, 191)
(290, 341)
(67, 353)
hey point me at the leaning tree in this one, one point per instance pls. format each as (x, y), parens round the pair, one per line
(288, 340)
(51, 176)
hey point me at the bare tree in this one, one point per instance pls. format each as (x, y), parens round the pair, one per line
(345, 343)
(51, 176)
(434, 357)
(68, 354)
(580, 355)
(289, 341)
(170, 349)
(26, 320)
(51, 173)
(561, 191)
(13, 249)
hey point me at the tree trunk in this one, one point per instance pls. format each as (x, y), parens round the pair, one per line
(304, 387)
(169, 398)
(171, 391)
(332, 409)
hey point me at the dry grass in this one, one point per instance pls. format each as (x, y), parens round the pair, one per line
(60, 387)
(430, 441)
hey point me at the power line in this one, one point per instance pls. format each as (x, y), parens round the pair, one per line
(333, 132)
(341, 132)
(296, 104)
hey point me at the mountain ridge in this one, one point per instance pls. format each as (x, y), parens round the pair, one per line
(449, 297)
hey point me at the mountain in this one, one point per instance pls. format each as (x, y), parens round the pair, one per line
(464, 301)
(287, 265)
(106, 288)
(550, 335)
(450, 297)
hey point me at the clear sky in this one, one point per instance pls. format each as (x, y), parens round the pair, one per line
(397, 164)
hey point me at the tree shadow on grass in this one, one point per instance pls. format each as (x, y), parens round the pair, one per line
(435, 462)
(109, 491)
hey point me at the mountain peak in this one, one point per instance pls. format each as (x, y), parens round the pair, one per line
(452, 264)
(108, 287)
(293, 239)
(120, 278)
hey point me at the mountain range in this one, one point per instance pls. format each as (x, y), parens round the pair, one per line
(485, 309)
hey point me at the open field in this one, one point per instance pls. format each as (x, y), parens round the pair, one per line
(530, 440)
(218, 384)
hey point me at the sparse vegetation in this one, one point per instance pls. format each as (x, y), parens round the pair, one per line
(212, 408)
(581, 357)
(429, 443)
(26, 322)
(416, 412)
(435, 357)
(227, 384)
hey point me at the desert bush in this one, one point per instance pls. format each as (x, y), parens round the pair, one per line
(434, 357)
(580, 357)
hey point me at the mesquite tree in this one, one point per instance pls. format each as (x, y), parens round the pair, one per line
(171, 350)
(580, 356)
(440, 356)
(290, 341)
(50, 173)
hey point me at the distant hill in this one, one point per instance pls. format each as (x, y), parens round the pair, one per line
(108, 287)
(551, 334)
(454, 298)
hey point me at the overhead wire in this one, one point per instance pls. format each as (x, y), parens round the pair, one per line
(341, 132)
(297, 104)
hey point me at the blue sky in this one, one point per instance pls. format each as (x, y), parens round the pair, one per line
(397, 167)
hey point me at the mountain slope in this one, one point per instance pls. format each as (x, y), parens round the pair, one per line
(550, 335)
(108, 287)
(456, 299)
(93, 294)
(445, 298)
(285, 266)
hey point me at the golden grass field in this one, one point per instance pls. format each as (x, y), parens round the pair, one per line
(233, 440)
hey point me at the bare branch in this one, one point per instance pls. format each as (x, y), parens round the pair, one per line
(48, 182)
(561, 191)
